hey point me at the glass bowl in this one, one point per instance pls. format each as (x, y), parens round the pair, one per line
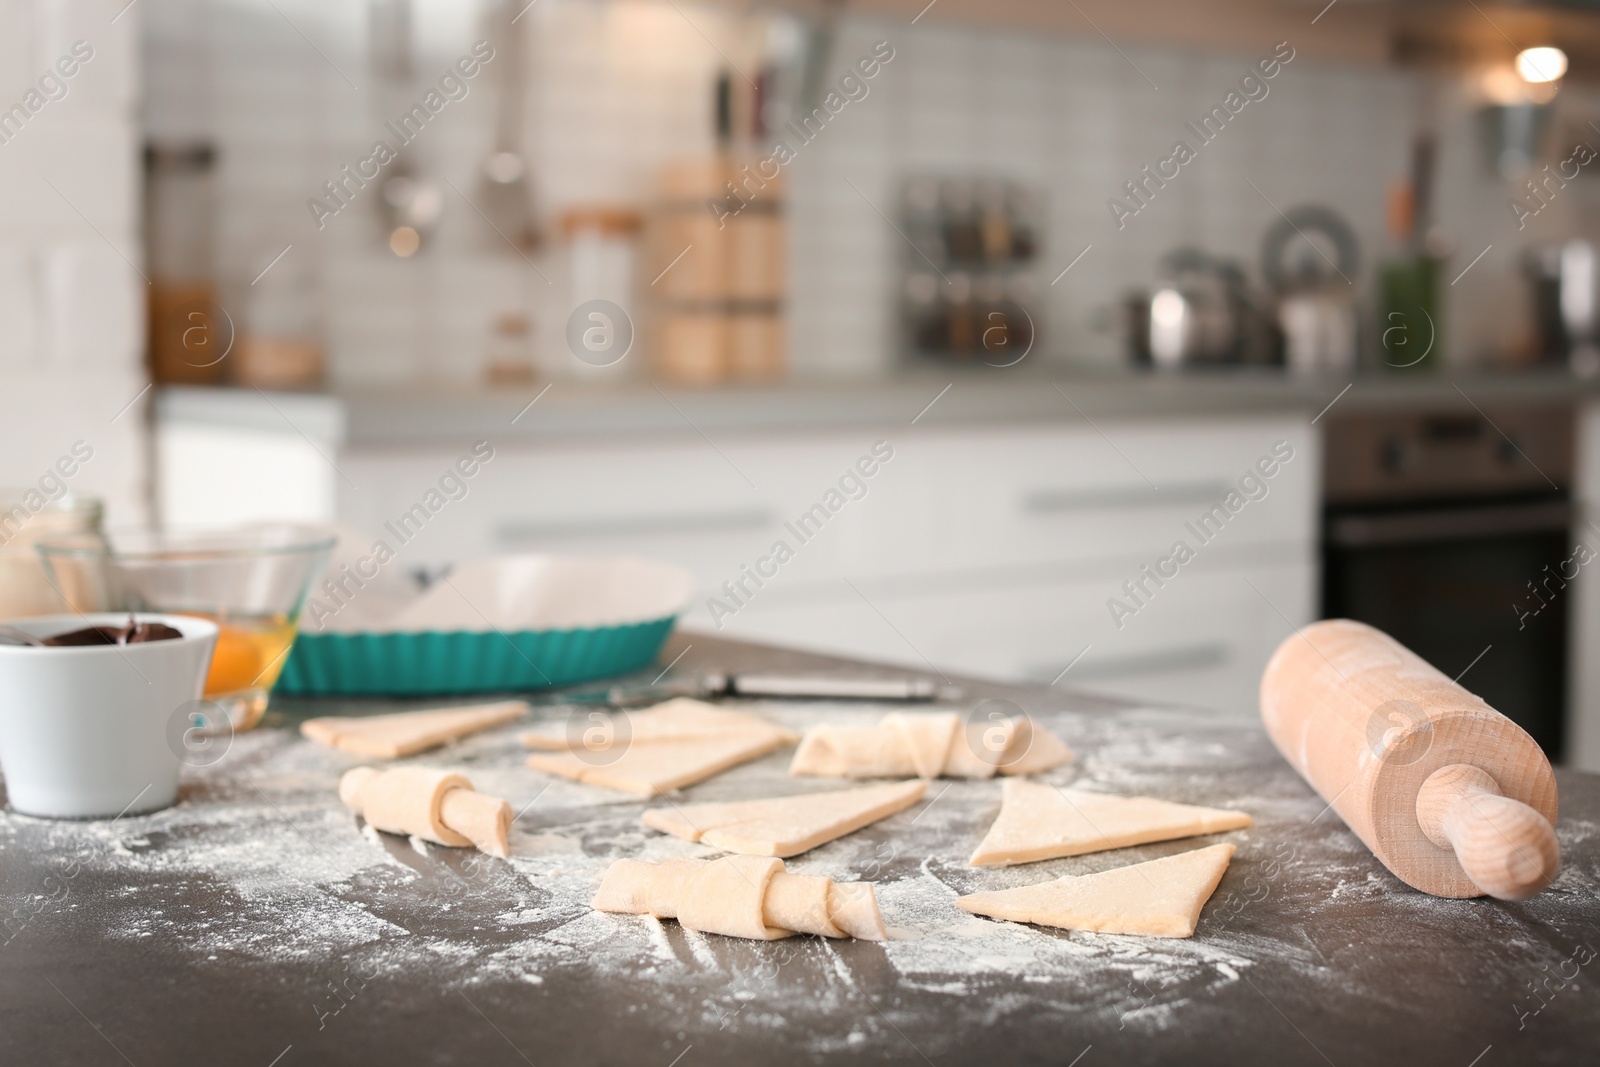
(251, 581)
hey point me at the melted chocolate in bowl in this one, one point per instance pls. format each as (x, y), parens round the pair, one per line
(134, 633)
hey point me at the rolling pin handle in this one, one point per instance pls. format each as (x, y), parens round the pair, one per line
(1506, 847)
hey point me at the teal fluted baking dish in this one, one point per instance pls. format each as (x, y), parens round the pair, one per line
(463, 661)
(512, 623)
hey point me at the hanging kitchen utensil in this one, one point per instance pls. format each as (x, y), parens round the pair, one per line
(408, 204)
(820, 38)
(507, 185)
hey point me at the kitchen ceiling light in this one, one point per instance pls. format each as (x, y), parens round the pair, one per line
(1541, 65)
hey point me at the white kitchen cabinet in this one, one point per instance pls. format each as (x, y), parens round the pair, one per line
(995, 552)
(977, 547)
(239, 456)
(986, 549)
(675, 500)
(1203, 642)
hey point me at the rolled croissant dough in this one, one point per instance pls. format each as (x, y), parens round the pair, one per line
(1040, 822)
(741, 896)
(928, 745)
(408, 732)
(432, 804)
(927, 738)
(658, 750)
(1160, 898)
(784, 826)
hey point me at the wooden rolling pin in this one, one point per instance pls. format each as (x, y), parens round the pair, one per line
(1452, 796)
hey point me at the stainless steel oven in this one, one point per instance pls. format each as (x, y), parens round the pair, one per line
(1448, 529)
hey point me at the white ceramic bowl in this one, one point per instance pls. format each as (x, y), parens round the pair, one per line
(87, 731)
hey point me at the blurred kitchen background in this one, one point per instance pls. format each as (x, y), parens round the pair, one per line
(677, 339)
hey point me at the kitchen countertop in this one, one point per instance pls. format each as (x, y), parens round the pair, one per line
(379, 416)
(255, 923)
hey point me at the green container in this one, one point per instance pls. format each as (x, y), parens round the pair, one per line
(1408, 300)
(440, 663)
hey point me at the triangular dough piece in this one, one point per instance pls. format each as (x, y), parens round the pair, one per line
(408, 732)
(784, 826)
(648, 769)
(679, 719)
(1161, 898)
(927, 736)
(1041, 822)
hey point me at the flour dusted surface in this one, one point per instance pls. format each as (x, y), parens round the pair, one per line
(260, 866)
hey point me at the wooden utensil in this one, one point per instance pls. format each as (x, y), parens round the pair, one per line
(1453, 797)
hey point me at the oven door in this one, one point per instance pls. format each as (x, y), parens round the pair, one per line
(1474, 588)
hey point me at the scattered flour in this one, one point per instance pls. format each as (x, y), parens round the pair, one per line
(260, 862)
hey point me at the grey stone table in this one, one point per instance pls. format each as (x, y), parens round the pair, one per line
(257, 923)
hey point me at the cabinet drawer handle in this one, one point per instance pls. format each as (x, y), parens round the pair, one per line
(635, 525)
(1053, 501)
(1454, 524)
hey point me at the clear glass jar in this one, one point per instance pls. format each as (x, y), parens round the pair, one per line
(27, 517)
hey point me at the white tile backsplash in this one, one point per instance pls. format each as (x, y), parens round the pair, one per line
(108, 79)
(71, 305)
(72, 172)
(618, 89)
(19, 307)
(93, 308)
(17, 58)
